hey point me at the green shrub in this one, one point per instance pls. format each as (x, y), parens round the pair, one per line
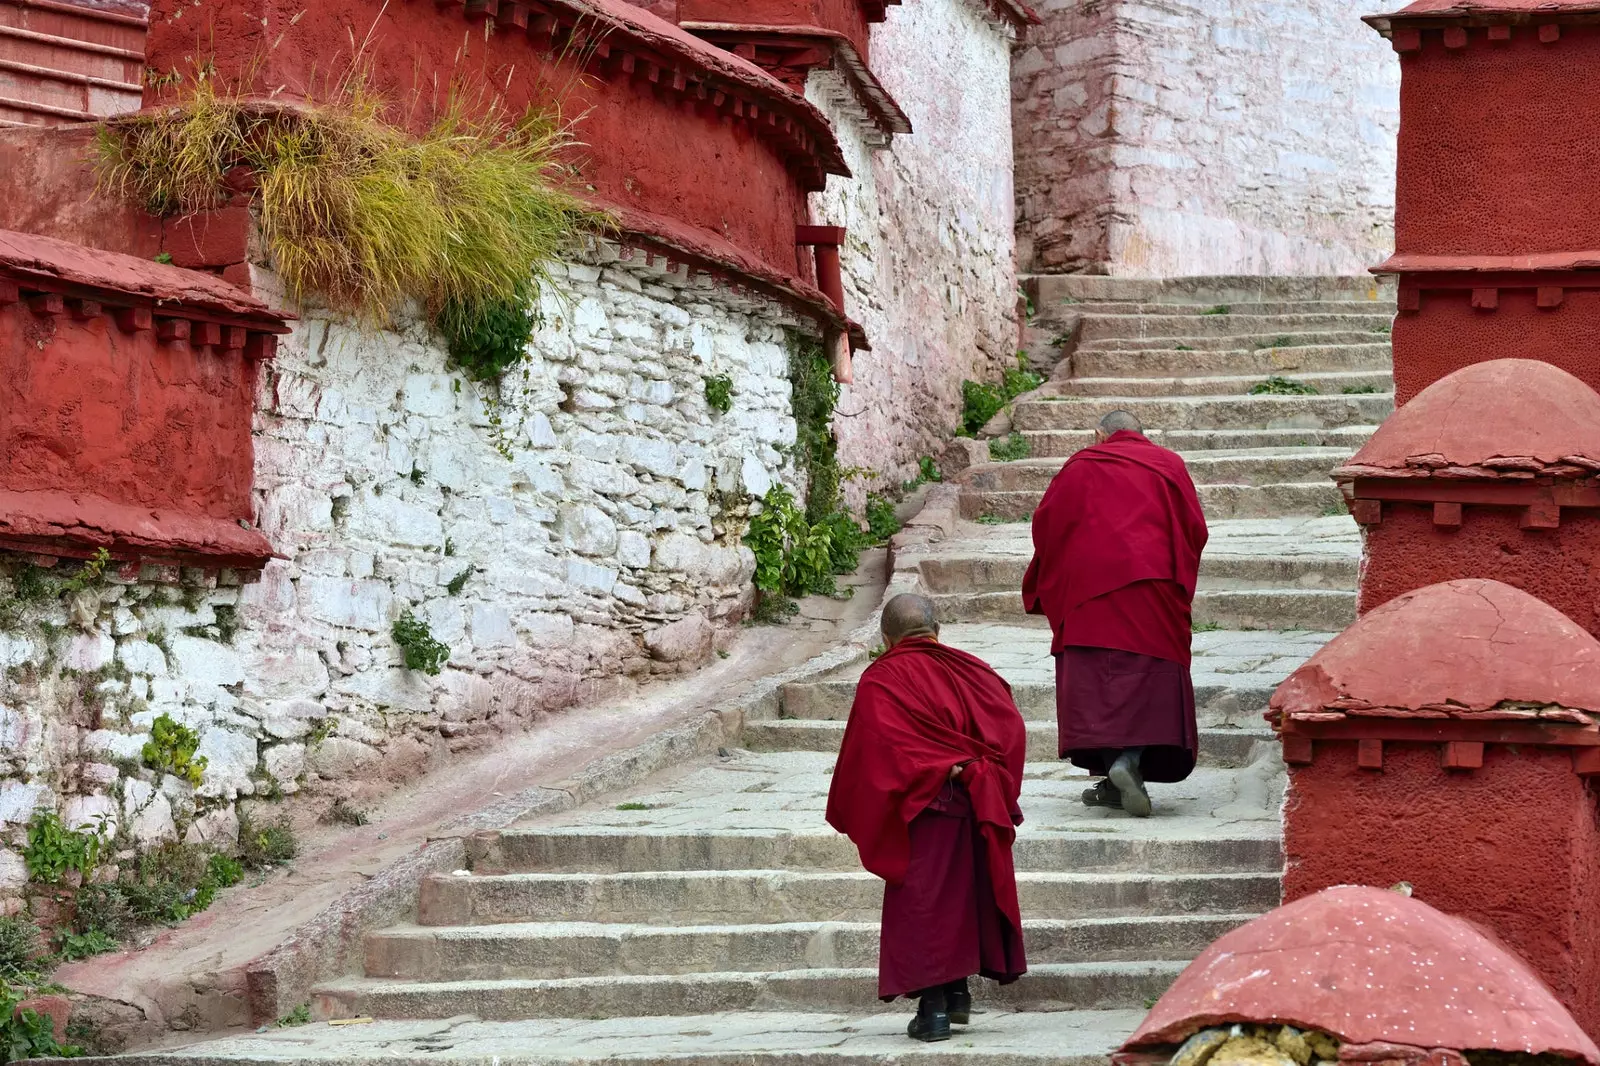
(488, 337)
(74, 946)
(1011, 449)
(793, 557)
(261, 846)
(1360, 390)
(981, 401)
(1220, 309)
(1277, 385)
(53, 850)
(20, 948)
(25, 1034)
(171, 750)
(102, 908)
(882, 522)
(719, 393)
(421, 651)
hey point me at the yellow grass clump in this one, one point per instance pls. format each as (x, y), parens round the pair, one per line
(354, 209)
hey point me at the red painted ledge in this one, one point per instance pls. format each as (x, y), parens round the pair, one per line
(73, 525)
(1425, 14)
(1418, 263)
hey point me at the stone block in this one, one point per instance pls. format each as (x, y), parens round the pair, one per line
(147, 814)
(18, 800)
(491, 627)
(285, 763)
(686, 640)
(230, 760)
(206, 662)
(142, 657)
(587, 530)
(88, 652)
(340, 759)
(341, 602)
(588, 577)
(293, 674)
(219, 828)
(112, 746)
(633, 549)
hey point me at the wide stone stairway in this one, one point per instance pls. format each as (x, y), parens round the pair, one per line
(712, 916)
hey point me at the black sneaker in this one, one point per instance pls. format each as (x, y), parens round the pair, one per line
(960, 1004)
(1103, 794)
(1125, 777)
(929, 1026)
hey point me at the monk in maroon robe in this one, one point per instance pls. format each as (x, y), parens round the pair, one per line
(926, 787)
(1117, 544)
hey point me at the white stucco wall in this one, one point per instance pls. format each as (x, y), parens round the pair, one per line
(929, 261)
(1206, 137)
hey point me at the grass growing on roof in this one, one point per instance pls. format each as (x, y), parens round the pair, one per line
(356, 210)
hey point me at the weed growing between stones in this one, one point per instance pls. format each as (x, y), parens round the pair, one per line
(53, 851)
(1207, 627)
(882, 522)
(341, 813)
(1360, 390)
(301, 1015)
(719, 393)
(262, 847)
(1335, 510)
(417, 645)
(1277, 385)
(1011, 449)
(171, 750)
(1220, 309)
(981, 401)
(26, 1035)
(488, 337)
(459, 582)
(21, 949)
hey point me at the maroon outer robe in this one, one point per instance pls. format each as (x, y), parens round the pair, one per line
(1117, 542)
(943, 848)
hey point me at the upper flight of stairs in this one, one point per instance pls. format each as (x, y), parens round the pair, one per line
(61, 62)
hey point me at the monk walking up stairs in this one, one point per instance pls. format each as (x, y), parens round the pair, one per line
(926, 786)
(1117, 542)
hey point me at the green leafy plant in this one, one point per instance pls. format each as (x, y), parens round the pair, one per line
(1183, 347)
(1386, 328)
(26, 1034)
(1360, 390)
(261, 846)
(882, 522)
(794, 557)
(719, 393)
(74, 946)
(301, 1015)
(459, 582)
(90, 574)
(633, 806)
(354, 208)
(342, 813)
(773, 610)
(421, 650)
(1206, 627)
(981, 401)
(171, 750)
(1220, 309)
(1278, 385)
(53, 851)
(487, 337)
(102, 908)
(997, 520)
(20, 948)
(1011, 449)
(164, 258)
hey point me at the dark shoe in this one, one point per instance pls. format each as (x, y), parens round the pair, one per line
(1124, 774)
(959, 1002)
(1103, 794)
(929, 1028)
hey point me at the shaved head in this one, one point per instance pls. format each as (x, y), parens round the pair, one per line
(908, 615)
(1119, 420)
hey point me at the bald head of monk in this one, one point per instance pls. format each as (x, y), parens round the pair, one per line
(908, 615)
(1115, 421)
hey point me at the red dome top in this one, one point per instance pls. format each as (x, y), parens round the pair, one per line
(1508, 414)
(1458, 647)
(1366, 965)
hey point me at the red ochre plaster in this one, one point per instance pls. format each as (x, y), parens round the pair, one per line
(842, 16)
(1514, 846)
(642, 147)
(1367, 966)
(1560, 566)
(1497, 153)
(1448, 333)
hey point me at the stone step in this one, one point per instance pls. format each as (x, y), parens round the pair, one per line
(556, 950)
(1205, 412)
(1060, 443)
(1324, 384)
(1067, 312)
(1228, 748)
(829, 701)
(594, 851)
(1262, 362)
(1319, 610)
(1221, 502)
(1098, 327)
(1225, 342)
(1060, 986)
(67, 93)
(756, 896)
(1218, 467)
(108, 63)
(1054, 289)
(91, 27)
(957, 574)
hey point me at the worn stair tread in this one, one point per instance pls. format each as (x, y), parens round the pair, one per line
(1325, 383)
(744, 1038)
(1280, 339)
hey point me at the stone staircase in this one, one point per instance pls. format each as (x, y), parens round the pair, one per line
(712, 917)
(64, 62)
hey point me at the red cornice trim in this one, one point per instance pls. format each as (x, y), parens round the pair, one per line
(1416, 263)
(701, 249)
(75, 524)
(617, 39)
(1435, 14)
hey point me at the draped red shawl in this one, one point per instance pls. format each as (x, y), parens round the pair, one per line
(919, 710)
(1119, 512)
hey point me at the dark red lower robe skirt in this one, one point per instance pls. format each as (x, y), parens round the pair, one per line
(941, 924)
(1122, 681)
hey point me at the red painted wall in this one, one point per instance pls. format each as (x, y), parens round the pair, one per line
(1560, 566)
(842, 16)
(87, 408)
(1497, 148)
(1448, 333)
(1512, 846)
(641, 150)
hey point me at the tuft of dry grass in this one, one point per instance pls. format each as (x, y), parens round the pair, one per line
(353, 208)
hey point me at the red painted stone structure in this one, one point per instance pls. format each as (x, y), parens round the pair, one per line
(127, 389)
(1391, 977)
(1493, 471)
(1448, 739)
(1497, 211)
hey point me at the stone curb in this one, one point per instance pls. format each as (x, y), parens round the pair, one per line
(330, 944)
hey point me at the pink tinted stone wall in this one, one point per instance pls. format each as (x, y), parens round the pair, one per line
(1201, 137)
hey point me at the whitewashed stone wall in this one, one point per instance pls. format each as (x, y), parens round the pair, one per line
(1167, 137)
(605, 547)
(929, 261)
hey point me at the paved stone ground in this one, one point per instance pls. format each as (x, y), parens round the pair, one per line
(710, 916)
